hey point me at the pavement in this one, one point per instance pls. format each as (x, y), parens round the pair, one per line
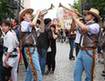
(64, 67)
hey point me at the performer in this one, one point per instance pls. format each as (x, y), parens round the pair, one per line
(27, 27)
(86, 56)
(10, 57)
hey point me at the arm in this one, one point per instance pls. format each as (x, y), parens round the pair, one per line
(54, 35)
(83, 27)
(33, 23)
(42, 26)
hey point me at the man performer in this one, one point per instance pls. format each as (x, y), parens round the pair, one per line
(86, 56)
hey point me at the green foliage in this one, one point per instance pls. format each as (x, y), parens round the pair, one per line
(5, 10)
(98, 4)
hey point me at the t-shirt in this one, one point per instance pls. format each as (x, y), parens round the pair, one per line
(10, 41)
(43, 41)
(93, 28)
(78, 37)
(52, 41)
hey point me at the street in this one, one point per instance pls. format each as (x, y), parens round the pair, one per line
(64, 67)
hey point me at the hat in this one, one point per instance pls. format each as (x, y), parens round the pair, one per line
(23, 12)
(94, 12)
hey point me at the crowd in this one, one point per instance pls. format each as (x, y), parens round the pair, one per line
(34, 40)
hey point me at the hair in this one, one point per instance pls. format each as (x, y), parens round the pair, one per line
(38, 21)
(16, 20)
(96, 19)
(47, 21)
(6, 22)
(53, 26)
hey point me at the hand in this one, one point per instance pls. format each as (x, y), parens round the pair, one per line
(6, 64)
(38, 12)
(43, 13)
(73, 14)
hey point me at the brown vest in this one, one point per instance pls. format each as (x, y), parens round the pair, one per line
(90, 41)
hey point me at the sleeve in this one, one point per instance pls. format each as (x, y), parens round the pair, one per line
(93, 29)
(24, 26)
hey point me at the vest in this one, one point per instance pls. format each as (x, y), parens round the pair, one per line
(90, 41)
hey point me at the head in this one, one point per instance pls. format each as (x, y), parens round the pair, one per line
(26, 14)
(14, 22)
(47, 21)
(27, 17)
(89, 17)
(6, 26)
(38, 23)
(92, 14)
(53, 27)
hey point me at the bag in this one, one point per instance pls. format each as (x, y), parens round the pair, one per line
(28, 38)
(101, 39)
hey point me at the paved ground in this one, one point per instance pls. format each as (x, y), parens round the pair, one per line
(64, 67)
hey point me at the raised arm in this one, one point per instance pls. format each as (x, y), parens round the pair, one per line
(83, 27)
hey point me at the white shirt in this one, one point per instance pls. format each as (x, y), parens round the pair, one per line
(78, 37)
(10, 41)
(25, 26)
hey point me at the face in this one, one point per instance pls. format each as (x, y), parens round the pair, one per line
(13, 23)
(89, 17)
(5, 28)
(52, 28)
(28, 17)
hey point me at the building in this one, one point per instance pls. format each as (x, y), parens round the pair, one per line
(26, 3)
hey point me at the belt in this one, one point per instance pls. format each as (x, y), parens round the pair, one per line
(13, 56)
(29, 46)
(87, 48)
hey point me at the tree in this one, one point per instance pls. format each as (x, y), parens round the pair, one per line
(78, 4)
(6, 9)
(100, 5)
(87, 4)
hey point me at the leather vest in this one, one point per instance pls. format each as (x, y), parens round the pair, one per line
(90, 40)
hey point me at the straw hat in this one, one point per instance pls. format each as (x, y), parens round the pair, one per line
(94, 12)
(23, 12)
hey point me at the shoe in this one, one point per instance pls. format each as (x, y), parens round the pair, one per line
(47, 72)
(72, 58)
(103, 71)
(103, 75)
(52, 72)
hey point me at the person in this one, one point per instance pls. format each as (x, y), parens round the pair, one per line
(10, 56)
(52, 54)
(28, 26)
(16, 27)
(71, 36)
(102, 45)
(1, 45)
(86, 56)
(43, 44)
(1, 52)
(78, 37)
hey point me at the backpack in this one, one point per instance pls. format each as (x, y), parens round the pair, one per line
(101, 38)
